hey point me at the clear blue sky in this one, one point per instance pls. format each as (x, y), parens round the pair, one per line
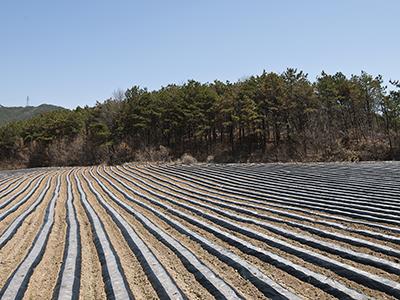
(76, 52)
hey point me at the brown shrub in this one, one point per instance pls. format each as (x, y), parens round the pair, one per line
(160, 154)
(121, 153)
(66, 152)
(187, 159)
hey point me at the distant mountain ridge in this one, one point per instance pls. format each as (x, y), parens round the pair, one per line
(16, 113)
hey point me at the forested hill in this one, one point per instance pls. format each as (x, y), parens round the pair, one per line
(8, 114)
(269, 117)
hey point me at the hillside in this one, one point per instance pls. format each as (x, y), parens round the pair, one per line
(269, 117)
(8, 114)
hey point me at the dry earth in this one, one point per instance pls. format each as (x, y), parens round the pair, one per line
(249, 231)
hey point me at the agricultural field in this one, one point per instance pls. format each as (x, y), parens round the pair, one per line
(203, 231)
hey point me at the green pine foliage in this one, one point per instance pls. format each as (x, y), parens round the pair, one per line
(269, 117)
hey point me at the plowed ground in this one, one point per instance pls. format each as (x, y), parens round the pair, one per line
(248, 231)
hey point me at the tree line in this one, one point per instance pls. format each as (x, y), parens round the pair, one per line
(269, 117)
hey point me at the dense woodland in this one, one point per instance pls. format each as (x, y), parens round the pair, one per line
(269, 117)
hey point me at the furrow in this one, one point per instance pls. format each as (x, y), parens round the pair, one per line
(4, 191)
(351, 181)
(203, 274)
(373, 281)
(328, 285)
(91, 279)
(378, 215)
(386, 265)
(276, 183)
(184, 279)
(16, 285)
(342, 191)
(44, 277)
(13, 208)
(68, 283)
(14, 226)
(332, 214)
(248, 203)
(19, 192)
(114, 279)
(163, 283)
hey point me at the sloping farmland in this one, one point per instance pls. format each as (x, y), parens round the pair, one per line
(233, 231)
